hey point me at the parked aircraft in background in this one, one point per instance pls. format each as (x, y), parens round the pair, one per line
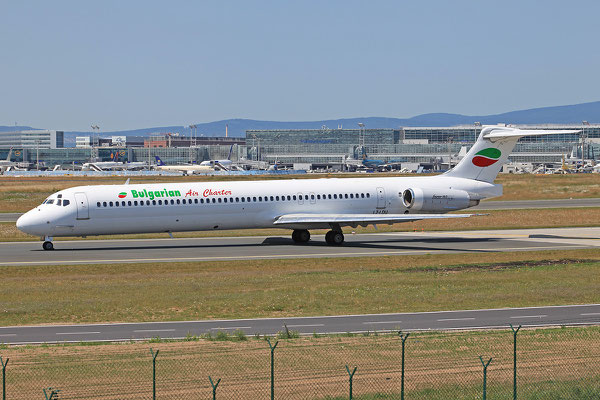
(186, 169)
(7, 165)
(299, 205)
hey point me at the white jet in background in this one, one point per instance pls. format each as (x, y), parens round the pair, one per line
(299, 205)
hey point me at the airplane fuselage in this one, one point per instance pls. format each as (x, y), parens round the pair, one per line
(176, 207)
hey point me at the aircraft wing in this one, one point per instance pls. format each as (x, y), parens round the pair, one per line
(359, 218)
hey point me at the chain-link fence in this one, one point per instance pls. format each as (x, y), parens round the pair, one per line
(558, 363)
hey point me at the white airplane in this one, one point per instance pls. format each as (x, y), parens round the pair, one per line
(186, 169)
(5, 165)
(299, 205)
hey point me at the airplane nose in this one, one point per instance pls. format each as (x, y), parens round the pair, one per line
(30, 223)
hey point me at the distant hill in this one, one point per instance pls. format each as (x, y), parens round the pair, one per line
(571, 114)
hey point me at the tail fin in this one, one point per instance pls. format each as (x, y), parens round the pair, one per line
(159, 162)
(9, 154)
(490, 152)
(230, 151)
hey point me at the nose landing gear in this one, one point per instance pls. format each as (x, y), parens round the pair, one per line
(47, 245)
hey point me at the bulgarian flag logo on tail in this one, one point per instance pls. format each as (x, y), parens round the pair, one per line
(122, 195)
(486, 157)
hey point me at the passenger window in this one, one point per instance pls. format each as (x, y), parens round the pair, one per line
(294, 197)
(129, 203)
(196, 201)
(219, 200)
(123, 203)
(225, 200)
(147, 202)
(97, 204)
(135, 203)
(160, 202)
(172, 201)
(368, 195)
(335, 196)
(104, 204)
(254, 199)
(346, 195)
(351, 195)
(110, 204)
(201, 201)
(178, 201)
(153, 202)
(312, 196)
(318, 197)
(237, 199)
(362, 195)
(243, 199)
(289, 197)
(329, 196)
(214, 200)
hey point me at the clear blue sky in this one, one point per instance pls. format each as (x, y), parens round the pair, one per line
(135, 64)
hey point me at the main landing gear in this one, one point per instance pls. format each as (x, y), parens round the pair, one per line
(300, 236)
(334, 238)
(47, 245)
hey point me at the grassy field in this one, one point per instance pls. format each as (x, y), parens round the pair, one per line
(299, 287)
(18, 194)
(553, 364)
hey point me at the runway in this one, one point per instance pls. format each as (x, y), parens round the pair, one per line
(282, 247)
(439, 320)
(486, 205)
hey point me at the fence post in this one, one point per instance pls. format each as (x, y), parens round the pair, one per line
(515, 331)
(154, 355)
(350, 376)
(403, 337)
(485, 366)
(214, 387)
(4, 363)
(52, 392)
(272, 347)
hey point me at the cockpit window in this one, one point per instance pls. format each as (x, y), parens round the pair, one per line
(59, 202)
(65, 202)
(50, 201)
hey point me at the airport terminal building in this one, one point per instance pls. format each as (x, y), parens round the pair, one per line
(433, 147)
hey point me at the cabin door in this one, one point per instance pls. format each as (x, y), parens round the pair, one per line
(83, 211)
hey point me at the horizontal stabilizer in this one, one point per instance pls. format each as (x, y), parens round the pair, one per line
(359, 218)
(499, 134)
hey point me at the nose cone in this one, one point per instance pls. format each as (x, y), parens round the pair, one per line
(32, 223)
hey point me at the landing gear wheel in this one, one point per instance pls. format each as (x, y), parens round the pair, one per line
(48, 246)
(334, 238)
(301, 236)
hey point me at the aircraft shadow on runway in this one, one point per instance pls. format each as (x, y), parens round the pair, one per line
(446, 244)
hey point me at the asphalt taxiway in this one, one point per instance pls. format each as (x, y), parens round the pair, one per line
(588, 314)
(282, 247)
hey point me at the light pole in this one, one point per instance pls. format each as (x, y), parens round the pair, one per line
(450, 138)
(584, 123)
